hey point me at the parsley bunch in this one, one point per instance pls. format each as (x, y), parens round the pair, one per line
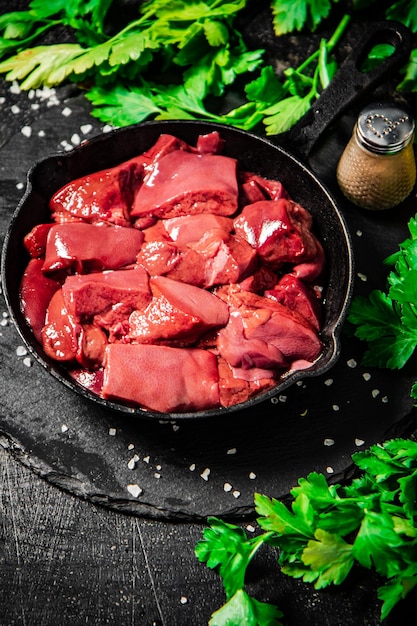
(177, 60)
(324, 533)
(387, 320)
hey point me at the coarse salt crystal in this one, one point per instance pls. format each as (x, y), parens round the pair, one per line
(366, 376)
(133, 461)
(329, 470)
(304, 413)
(335, 407)
(14, 88)
(131, 446)
(282, 398)
(175, 427)
(2, 99)
(384, 399)
(66, 111)
(26, 131)
(205, 474)
(76, 139)
(15, 109)
(359, 442)
(183, 600)
(146, 459)
(231, 451)
(250, 528)
(4, 321)
(363, 277)
(227, 487)
(236, 493)
(134, 490)
(64, 428)
(351, 363)
(35, 106)
(27, 361)
(192, 467)
(328, 382)
(19, 186)
(112, 432)
(157, 475)
(41, 133)
(375, 393)
(252, 475)
(328, 442)
(107, 128)
(86, 128)
(21, 351)
(359, 233)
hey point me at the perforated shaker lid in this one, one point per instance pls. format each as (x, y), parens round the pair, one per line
(384, 128)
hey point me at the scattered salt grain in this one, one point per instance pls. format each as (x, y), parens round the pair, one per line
(134, 490)
(231, 451)
(328, 442)
(159, 467)
(21, 351)
(366, 376)
(35, 106)
(76, 139)
(328, 382)
(205, 474)
(86, 128)
(250, 528)
(252, 475)
(335, 407)
(183, 600)
(359, 233)
(146, 459)
(64, 428)
(27, 361)
(384, 399)
(304, 413)
(66, 111)
(375, 393)
(351, 363)
(15, 109)
(363, 277)
(107, 128)
(14, 88)
(4, 321)
(19, 186)
(133, 461)
(175, 427)
(157, 475)
(329, 470)
(131, 446)
(112, 432)
(41, 133)
(192, 467)
(227, 487)
(2, 100)
(26, 131)
(359, 442)
(282, 398)
(236, 493)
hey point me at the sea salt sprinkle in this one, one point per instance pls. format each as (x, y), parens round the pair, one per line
(134, 490)
(205, 474)
(328, 442)
(112, 432)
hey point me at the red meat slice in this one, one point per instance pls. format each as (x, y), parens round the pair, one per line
(279, 230)
(36, 291)
(256, 188)
(35, 241)
(184, 183)
(104, 196)
(234, 390)
(92, 342)
(60, 333)
(161, 378)
(310, 271)
(90, 247)
(228, 258)
(211, 143)
(256, 320)
(87, 295)
(297, 296)
(178, 311)
(191, 228)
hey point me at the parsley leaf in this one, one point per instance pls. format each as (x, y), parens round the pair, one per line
(326, 531)
(290, 15)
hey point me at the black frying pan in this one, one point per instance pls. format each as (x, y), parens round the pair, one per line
(257, 154)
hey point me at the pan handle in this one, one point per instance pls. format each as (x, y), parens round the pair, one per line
(350, 84)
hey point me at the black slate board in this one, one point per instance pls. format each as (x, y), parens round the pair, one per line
(191, 470)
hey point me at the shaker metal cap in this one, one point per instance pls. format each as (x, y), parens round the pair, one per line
(384, 128)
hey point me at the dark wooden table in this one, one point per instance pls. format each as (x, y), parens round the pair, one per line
(65, 557)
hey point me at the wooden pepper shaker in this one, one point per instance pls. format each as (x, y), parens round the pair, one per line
(377, 169)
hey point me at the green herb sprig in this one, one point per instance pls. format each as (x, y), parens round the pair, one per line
(178, 60)
(324, 533)
(387, 319)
